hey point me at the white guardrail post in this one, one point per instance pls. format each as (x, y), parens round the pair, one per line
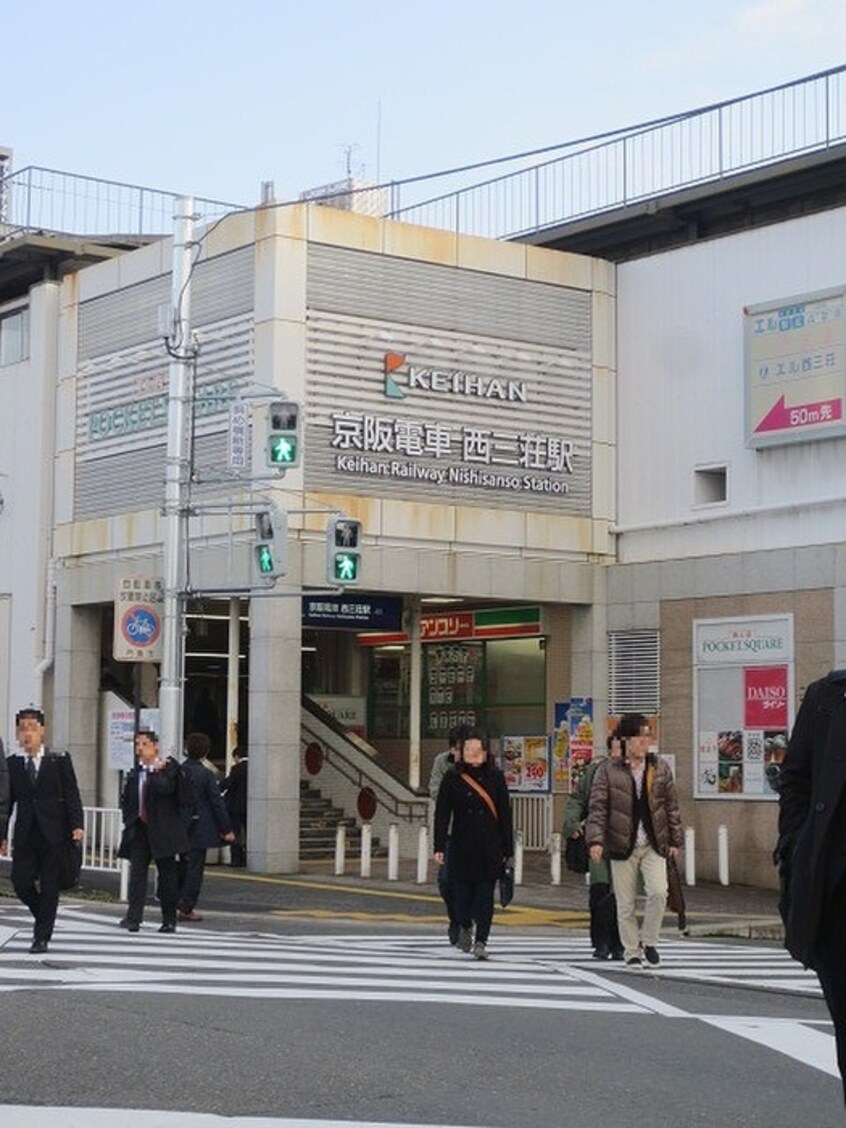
(423, 855)
(555, 859)
(340, 849)
(393, 852)
(518, 858)
(723, 854)
(366, 848)
(689, 856)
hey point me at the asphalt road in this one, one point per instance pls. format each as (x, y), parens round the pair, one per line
(391, 1026)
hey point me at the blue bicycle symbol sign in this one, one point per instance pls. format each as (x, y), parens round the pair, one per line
(140, 626)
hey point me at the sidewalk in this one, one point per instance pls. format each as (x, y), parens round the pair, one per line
(712, 910)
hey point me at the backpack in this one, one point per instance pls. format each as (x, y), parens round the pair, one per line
(187, 799)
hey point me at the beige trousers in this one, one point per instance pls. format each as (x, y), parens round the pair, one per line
(624, 874)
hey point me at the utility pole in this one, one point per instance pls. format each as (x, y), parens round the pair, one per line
(179, 347)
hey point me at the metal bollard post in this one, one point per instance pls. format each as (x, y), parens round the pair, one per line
(518, 858)
(393, 852)
(340, 849)
(366, 848)
(723, 854)
(689, 856)
(423, 855)
(555, 861)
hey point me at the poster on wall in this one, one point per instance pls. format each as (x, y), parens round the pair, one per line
(525, 760)
(560, 747)
(580, 725)
(743, 693)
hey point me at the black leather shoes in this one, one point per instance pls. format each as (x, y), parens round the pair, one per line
(130, 925)
(38, 947)
(168, 928)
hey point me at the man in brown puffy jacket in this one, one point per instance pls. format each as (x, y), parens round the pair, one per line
(634, 820)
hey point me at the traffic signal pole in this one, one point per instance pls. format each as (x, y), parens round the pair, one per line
(175, 517)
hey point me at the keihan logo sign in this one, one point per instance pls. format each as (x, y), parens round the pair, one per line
(402, 378)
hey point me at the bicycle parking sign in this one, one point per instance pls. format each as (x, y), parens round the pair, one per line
(138, 619)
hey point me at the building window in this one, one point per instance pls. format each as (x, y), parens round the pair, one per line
(634, 672)
(710, 485)
(14, 336)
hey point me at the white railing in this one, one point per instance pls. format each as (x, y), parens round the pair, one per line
(532, 816)
(102, 826)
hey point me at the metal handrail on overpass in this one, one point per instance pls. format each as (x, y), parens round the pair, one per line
(632, 165)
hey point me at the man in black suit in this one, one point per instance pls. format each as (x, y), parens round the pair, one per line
(153, 830)
(44, 794)
(4, 791)
(234, 791)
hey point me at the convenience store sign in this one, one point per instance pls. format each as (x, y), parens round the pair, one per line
(503, 622)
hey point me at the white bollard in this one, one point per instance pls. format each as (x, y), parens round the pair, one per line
(366, 848)
(123, 894)
(555, 861)
(723, 854)
(518, 858)
(689, 856)
(423, 855)
(340, 849)
(393, 852)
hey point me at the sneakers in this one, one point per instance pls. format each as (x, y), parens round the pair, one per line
(452, 932)
(465, 940)
(480, 951)
(651, 955)
(634, 961)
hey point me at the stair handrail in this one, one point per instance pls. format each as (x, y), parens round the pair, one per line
(353, 758)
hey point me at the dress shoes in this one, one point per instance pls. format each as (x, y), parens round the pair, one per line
(38, 947)
(168, 928)
(130, 925)
(190, 915)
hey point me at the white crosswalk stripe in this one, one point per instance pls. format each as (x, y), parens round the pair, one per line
(89, 952)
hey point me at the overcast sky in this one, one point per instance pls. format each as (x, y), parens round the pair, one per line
(213, 98)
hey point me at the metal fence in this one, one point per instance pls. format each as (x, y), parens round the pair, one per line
(103, 827)
(705, 145)
(43, 200)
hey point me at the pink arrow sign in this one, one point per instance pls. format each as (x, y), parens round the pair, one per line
(781, 418)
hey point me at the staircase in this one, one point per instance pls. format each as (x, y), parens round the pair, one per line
(319, 821)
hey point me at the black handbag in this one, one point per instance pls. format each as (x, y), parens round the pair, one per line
(506, 886)
(576, 856)
(70, 864)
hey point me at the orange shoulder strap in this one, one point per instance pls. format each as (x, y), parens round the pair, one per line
(477, 787)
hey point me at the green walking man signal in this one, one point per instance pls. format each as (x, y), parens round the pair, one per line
(271, 547)
(343, 552)
(282, 444)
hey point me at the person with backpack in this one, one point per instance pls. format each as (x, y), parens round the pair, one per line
(154, 830)
(207, 822)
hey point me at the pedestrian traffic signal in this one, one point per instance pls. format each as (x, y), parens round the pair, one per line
(282, 445)
(270, 550)
(343, 552)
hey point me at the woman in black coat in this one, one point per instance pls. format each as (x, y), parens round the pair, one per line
(475, 799)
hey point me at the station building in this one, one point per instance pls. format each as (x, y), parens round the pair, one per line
(604, 461)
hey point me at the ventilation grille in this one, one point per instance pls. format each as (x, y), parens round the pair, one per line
(634, 672)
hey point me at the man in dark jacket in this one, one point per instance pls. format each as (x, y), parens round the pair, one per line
(44, 794)
(634, 820)
(4, 791)
(812, 844)
(234, 791)
(208, 826)
(153, 830)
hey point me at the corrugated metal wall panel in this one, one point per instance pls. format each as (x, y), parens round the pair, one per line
(362, 306)
(121, 417)
(220, 287)
(363, 284)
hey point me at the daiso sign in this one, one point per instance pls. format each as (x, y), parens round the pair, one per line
(765, 697)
